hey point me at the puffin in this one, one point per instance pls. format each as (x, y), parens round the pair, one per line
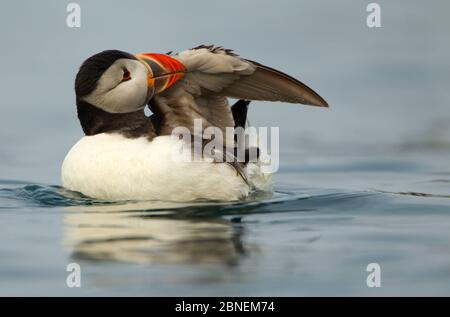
(128, 155)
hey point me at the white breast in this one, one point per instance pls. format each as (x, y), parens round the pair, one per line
(112, 167)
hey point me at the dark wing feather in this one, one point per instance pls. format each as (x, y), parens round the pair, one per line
(239, 111)
(272, 85)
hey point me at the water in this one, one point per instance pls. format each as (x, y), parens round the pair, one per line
(314, 236)
(366, 181)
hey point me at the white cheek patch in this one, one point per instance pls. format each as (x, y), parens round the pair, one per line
(115, 96)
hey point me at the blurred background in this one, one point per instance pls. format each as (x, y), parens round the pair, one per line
(388, 87)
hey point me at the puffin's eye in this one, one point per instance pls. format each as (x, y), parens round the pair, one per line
(126, 74)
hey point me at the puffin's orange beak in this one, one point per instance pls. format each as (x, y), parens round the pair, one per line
(163, 70)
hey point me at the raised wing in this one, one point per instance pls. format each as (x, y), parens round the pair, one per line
(212, 75)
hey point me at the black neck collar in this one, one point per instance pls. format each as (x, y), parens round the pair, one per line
(132, 125)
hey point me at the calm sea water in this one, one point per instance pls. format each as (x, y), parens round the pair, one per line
(367, 181)
(325, 222)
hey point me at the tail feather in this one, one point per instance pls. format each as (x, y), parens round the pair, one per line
(239, 111)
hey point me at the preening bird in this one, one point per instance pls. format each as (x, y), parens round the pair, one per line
(127, 155)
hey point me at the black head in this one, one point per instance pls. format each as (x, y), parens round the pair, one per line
(94, 67)
(114, 81)
(111, 92)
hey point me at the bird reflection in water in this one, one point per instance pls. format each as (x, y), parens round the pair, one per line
(148, 232)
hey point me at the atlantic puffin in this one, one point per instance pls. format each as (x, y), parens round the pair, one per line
(128, 155)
